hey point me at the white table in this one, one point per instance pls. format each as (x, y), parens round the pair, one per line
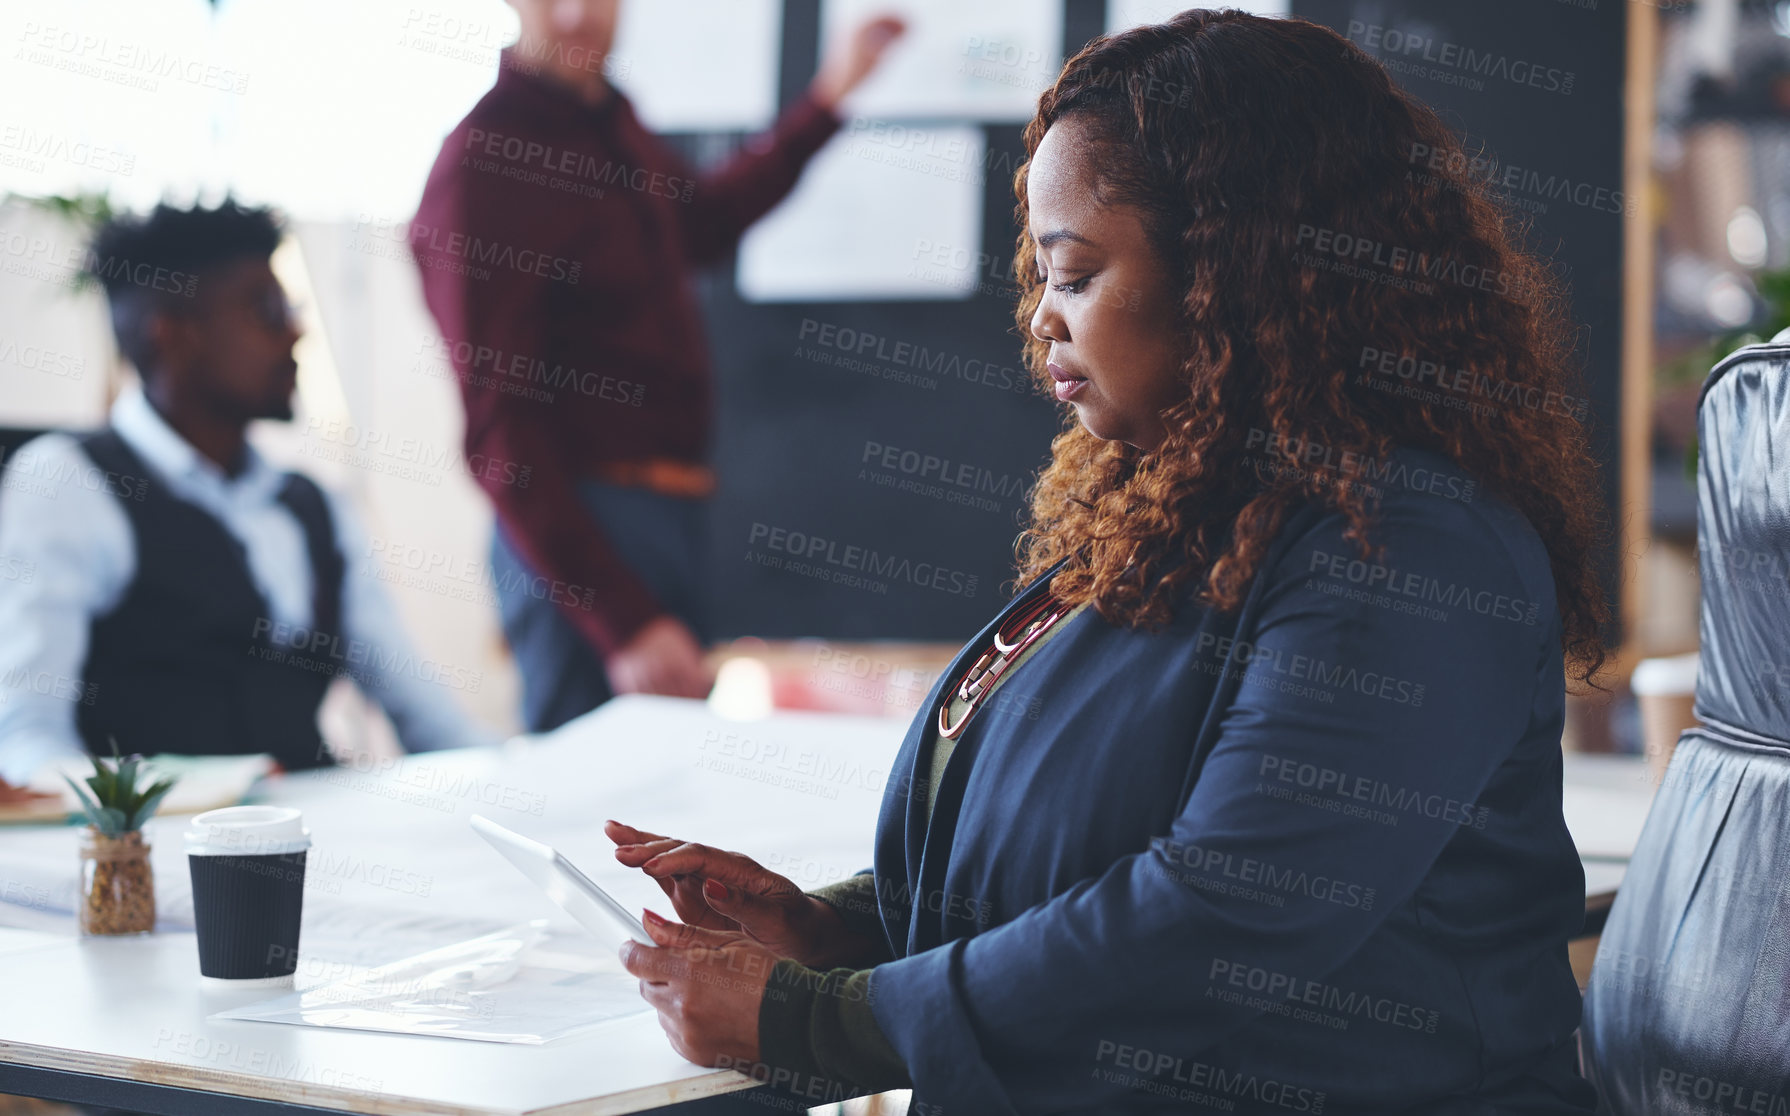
(1606, 803)
(392, 848)
(799, 792)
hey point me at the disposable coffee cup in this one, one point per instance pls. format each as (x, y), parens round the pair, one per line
(248, 868)
(1666, 692)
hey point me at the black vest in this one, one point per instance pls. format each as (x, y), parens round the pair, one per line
(187, 662)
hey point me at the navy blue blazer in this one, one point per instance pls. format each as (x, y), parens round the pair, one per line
(1307, 856)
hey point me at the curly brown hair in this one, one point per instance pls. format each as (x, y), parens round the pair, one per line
(1261, 155)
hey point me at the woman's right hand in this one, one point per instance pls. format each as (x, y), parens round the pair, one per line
(719, 890)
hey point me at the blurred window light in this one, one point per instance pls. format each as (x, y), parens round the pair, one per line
(1728, 301)
(1746, 237)
(742, 690)
(329, 110)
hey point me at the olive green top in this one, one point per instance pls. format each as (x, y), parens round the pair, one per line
(820, 1024)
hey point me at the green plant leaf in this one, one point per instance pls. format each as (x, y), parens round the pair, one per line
(88, 806)
(114, 804)
(101, 782)
(151, 799)
(125, 782)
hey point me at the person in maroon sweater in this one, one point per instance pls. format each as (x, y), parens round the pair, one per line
(555, 239)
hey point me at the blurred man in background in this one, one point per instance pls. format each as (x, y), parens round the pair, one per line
(556, 237)
(185, 596)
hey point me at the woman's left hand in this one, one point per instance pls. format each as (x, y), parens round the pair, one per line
(706, 985)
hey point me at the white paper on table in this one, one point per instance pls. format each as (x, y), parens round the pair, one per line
(1122, 15)
(985, 61)
(502, 987)
(883, 212)
(203, 782)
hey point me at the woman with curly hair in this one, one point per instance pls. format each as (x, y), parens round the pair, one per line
(1250, 799)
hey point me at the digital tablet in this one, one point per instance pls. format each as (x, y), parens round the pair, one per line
(595, 909)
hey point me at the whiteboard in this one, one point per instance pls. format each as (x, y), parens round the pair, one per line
(884, 211)
(960, 59)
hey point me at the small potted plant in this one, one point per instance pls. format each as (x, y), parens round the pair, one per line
(117, 887)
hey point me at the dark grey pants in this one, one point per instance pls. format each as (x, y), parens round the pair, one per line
(663, 539)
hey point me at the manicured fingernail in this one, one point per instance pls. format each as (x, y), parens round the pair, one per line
(716, 890)
(654, 920)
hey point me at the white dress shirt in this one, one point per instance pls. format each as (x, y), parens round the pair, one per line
(68, 554)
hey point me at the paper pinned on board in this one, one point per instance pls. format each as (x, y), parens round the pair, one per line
(985, 61)
(883, 212)
(1122, 15)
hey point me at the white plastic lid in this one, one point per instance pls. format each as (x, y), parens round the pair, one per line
(1669, 677)
(248, 831)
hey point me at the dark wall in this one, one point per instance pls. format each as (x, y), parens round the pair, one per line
(799, 434)
(1555, 135)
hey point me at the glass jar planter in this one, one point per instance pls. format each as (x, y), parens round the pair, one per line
(117, 886)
